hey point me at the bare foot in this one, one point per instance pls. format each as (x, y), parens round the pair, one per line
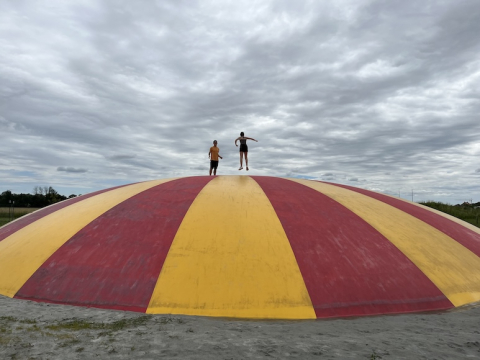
(240, 168)
(247, 168)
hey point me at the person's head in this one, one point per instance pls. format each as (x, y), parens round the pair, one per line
(241, 134)
(215, 142)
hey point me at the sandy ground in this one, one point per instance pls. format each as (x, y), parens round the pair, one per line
(30, 330)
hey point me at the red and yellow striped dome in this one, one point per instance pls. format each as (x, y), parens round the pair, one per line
(242, 246)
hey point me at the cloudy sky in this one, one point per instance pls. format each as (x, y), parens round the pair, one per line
(382, 95)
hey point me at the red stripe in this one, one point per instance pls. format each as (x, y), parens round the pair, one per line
(460, 233)
(349, 268)
(114, 262)
(9, 229)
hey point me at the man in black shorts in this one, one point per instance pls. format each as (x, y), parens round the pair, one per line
(214, 155)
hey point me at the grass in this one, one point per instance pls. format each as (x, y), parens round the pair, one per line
(71, 325)
(68, 333)
(77, 324)
(6, 216)
(69, 343)
(25, 210)
(465, 212)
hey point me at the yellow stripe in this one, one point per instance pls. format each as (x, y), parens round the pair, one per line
(231, 257)
(23, 252)
(454, 269)
(438, 212)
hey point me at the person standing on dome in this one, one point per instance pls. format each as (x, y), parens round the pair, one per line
(213, 154)
(243, 149)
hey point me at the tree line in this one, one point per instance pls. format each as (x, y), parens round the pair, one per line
(42, 196)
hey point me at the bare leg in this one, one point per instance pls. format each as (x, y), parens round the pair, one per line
(246, 159)
(241, 160)
(215, 171)
(210, 171)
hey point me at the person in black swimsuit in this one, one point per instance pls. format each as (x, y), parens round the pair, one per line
(243, 149)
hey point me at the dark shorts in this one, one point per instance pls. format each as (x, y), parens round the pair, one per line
(213, 164)
(243, 148)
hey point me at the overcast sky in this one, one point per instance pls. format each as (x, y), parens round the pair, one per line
(382, 95)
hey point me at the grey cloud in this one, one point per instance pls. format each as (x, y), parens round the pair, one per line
(120, 157)
(71, 169)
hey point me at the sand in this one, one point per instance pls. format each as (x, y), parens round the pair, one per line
(30, 330)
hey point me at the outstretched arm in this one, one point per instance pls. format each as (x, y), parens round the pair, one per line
(250, 139)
